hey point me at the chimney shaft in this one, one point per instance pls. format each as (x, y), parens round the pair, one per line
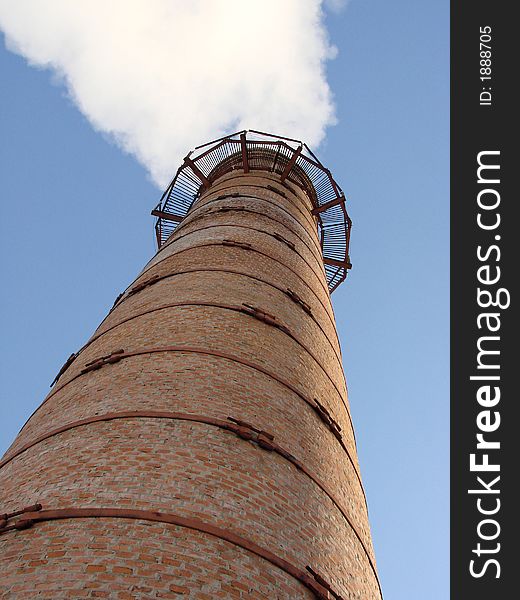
(200, 443)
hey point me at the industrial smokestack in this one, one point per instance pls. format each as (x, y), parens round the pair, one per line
(140, 72)
(200, 443)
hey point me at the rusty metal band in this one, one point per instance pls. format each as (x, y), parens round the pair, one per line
(304, 225)
(218, 270)
(330, 313)
(189, 523)
(195, 210)
(217, 189)
(209, 244)
(194, 217)
(226, 425)
(197, 270)
(287, 186)
(209, 270)
(225, 356)
(216, 305)
(249, 196)
(240, 309)
(284, 203)
(319, 275)
(164, 277)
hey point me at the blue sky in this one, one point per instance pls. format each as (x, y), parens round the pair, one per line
(75, 229)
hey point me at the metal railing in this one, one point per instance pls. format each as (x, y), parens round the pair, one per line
(254, 150)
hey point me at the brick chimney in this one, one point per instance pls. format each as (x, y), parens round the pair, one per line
(200, 444)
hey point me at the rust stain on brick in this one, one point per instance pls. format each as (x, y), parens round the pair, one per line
(241, 428)
(117, 513)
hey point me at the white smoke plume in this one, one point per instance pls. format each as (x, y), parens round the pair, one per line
(162, 76)
(336, 6)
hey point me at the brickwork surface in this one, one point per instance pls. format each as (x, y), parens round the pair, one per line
(194, 354)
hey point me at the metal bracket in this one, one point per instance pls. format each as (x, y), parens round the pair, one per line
(324, 583)
(243, 144)
(342, 264)
(65, 366)
(327, 418)
(264, 316)
(21, 524)
(319, 209)
(142, 285)
(161, 214)
(119, 296)
(295, 298)
(189, 162)
(280, 238)
(108, 359)
(228, 209)
(276, 191)
(291, 163)
(248, 432)
(224, 196)
(243, 245)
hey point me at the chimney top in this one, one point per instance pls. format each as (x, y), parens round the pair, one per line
(251, 150)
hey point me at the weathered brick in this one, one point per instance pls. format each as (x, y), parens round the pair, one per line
(226, 363)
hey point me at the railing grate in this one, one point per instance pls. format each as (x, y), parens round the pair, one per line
(289, 158)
